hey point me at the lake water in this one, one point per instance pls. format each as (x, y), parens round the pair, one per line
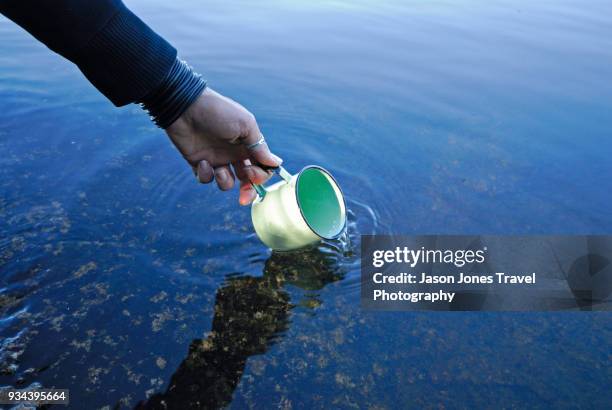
(120, 275)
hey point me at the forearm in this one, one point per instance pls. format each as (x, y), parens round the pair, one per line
(130, 63)
(117, 52)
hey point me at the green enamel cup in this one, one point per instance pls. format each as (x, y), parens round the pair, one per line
(299, 210)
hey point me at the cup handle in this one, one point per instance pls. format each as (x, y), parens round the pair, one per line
(282, 172)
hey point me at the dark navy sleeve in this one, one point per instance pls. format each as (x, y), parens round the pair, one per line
(117, 52)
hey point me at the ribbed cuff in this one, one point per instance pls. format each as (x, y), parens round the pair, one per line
(181, 87)
(126, 60)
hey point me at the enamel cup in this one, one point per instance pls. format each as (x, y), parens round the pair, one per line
(300, 210)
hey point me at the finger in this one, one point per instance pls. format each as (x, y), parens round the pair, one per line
(247, 193)
(251, 173)
(260, 153)
(248, 174)
(224, 177)
(204, 172)
(240, 169)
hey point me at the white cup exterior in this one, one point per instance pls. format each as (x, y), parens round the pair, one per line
(278, 220)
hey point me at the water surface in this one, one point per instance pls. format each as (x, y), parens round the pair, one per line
(121, 276)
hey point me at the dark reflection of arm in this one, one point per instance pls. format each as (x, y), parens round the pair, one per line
(249, 313)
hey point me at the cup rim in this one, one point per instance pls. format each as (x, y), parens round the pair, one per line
(297, 199)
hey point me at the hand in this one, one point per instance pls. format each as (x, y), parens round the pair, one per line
(215, 132)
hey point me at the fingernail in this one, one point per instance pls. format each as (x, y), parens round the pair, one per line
(221, 174)
(277, 158)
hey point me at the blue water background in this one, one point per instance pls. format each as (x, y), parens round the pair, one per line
(436, 117)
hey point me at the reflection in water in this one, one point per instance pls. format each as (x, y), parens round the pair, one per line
(250, 312)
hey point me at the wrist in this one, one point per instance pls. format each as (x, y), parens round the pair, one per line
(179, 90)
